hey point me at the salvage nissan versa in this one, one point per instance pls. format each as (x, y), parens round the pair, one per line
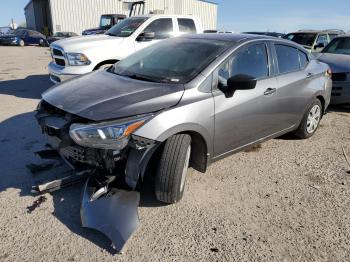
(186, 101)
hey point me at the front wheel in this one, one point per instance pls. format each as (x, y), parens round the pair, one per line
(172, 169)
(21, 42)
(311, 120)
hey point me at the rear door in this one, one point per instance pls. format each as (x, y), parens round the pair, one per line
(163, 28)
(293, 79)
(247, 115)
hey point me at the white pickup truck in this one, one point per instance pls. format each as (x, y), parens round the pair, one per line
(80, 55)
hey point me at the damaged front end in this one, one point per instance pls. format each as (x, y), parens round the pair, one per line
(111, 158)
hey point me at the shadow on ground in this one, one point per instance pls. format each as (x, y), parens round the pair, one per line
(30, 87)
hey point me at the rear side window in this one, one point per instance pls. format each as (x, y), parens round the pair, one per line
(332, 36)
(288, 59)
(186, 25)
(162, 28)
(303, 59)
(251, 61)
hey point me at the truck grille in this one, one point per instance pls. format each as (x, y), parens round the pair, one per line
(58, 57)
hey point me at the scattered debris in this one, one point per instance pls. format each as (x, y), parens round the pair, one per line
(214, 229)
(254, 148)
(36, 204)
(214, 249)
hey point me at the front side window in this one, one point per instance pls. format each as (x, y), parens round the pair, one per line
(126, 27)
(186, 25)
(162, 28)
(106, 21)
(176, 60)
(288, 59)
(252, 61)
(322, 39)
(339, 45)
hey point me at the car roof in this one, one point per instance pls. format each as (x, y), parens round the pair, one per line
(311, 31)
(228, 37)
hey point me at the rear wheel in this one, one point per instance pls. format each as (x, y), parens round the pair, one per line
(311, 120)
(21, 42)
(172, 169)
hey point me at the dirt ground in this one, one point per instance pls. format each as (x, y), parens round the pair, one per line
(288, 200)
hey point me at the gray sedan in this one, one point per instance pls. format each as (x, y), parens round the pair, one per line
(186, 101)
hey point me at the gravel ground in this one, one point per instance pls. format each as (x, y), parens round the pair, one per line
(287, 200)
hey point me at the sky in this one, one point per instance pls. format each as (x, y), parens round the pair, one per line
(249, 15)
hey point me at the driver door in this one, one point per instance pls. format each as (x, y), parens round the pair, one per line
(162, 28)
(246, 115)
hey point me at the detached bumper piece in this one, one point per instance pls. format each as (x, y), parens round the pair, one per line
(111, 211)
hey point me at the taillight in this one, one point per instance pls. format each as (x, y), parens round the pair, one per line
(329, 72)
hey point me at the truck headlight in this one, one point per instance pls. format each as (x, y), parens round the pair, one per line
(77, 59)
(108, 135)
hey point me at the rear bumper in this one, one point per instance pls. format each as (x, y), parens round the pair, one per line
(340, 93)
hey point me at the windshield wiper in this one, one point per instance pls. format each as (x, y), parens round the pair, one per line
(144, 78)
(110, 34)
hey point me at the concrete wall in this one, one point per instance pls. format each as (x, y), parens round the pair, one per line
(77, 15)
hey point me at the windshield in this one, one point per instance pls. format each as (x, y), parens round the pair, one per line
(338, 46)
(306, 39)
(59, 34)
(176, 60)
(105, 21)
(126, 27)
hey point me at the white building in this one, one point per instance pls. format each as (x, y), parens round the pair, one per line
(76, 15)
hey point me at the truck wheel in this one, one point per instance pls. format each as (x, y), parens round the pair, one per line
(21, 42)
(311, 120)
(172, 169)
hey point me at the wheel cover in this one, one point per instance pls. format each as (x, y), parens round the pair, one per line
(313, 119)
(184, 171)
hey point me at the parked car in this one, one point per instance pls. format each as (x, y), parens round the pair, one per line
(106, 22)
(274, 34)
(313, 40)
(186, 101)
(4, 30)
(59, 36)
(22, 37)
(337, 55)
(81, 55)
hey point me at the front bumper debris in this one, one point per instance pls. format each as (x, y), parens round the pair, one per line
(110, 195)
(114, 214)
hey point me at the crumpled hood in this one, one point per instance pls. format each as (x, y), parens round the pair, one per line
(102, 95)
(339, 63)
(78, 43)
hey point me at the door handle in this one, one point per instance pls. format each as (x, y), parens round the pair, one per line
(309, 75)
(269, 91)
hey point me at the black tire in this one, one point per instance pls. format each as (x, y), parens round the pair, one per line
(171, 169)
(302, 131)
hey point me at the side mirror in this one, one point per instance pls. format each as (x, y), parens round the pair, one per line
(146, 36)
(319, 45)
(241, 82)
(238, 82)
